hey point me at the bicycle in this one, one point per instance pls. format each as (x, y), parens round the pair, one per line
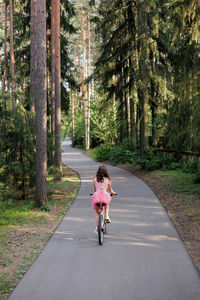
(101, 227)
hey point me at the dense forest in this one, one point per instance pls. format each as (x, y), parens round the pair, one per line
(138, 69)
(35, 68)
(116, 73)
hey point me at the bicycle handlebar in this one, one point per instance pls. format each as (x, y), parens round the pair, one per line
(110, 194)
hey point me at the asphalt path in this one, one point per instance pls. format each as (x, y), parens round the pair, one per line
(142, 258)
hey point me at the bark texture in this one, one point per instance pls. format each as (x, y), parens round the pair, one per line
(56, 60)
(53, 74)
(12, 59)
(5, 57)
(87, 113)
(84, 89)
(40, 105)
(33, 65)
(143, 71)
(73, 117)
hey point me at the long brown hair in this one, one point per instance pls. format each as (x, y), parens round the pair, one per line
(101, 173)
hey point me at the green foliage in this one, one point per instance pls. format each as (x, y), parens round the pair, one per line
(11, 213)
(5, 285)
(52, 170)
(102, 153)
(45, 208)
(103, 125)
(171, 63)
(175, 166)
(191, 166)
(179, 126)
(197, 177)
(116, 155)
(17, 148)
(153, 160)
(80, 128)
(121, 155)
(178, 181)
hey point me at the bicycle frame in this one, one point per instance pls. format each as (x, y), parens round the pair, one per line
(101, 228)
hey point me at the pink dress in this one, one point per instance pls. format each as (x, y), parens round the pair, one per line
(101, 195)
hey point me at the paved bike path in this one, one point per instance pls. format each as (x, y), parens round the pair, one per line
(142, 257)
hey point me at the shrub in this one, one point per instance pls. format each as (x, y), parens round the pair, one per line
(17, 148)
(153, 164)
(191, 166)
(174, 166)
(153, 160)
(119, 155)
(45, 208)
(197, 177)
(102, 153)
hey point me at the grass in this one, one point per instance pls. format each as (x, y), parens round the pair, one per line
(20, 215)
(25, 230)
(178, 181)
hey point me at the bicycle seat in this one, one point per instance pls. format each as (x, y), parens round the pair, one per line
(100, 204)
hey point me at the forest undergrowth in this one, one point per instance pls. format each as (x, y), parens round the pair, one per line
(25, 230)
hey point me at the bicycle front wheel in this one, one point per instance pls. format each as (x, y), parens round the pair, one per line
(100, 229)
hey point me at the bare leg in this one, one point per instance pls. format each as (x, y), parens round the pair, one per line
(107, 211)
(97, 216)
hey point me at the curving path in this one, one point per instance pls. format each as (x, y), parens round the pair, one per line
(142, 258)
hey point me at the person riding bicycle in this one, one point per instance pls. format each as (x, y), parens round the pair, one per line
(102, 182)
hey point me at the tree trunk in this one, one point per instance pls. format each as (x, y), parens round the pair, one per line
(76, 102)
(132, 101)
(5, 59)
(127, 99)
(40, 106)
(114, 111)
(80, 78)
(57, 69)
(53, 50)
(126, 77)
(33, 66)
(143, 71)
(83, 45)
(135, 114)
(48, 101)
(84, 77)
(152, 102)
(1, 47)
(12, 59)
(88, 87)
(73, 116)
(121, 102)
(1, 63)
(137, 124)
(144, 139)
(4, 69)
(153, 116)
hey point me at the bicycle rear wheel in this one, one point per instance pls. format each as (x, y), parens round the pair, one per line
(100, 230)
